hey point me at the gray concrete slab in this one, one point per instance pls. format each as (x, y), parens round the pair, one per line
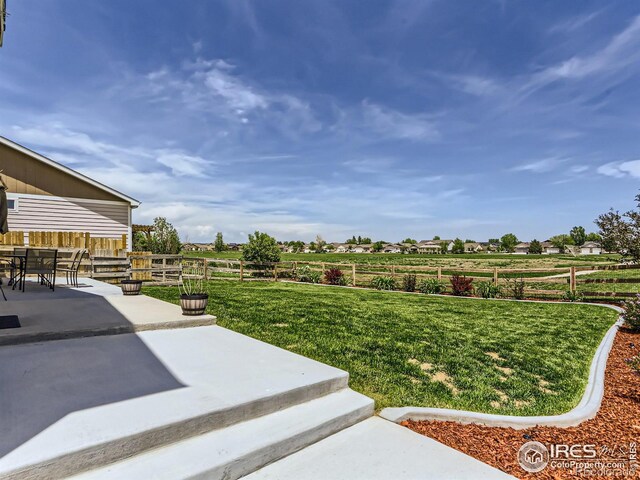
(377, 449)
(70, 405)
(93, 308)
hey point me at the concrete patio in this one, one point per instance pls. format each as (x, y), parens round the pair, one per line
(93, 308)
(101, 386)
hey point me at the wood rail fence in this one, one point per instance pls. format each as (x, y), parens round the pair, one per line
(549, 282)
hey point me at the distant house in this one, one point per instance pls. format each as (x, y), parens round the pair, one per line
(549, 249)
(44, 195)
(428, 247)
(591, 248)
(197, 247)
(342, 247)
(365, 248)
(234, 246)
(392, 248)
(522, 248)
(409, 247)
(473, 247)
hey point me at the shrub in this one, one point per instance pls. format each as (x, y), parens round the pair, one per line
(461, 286)
(305, 274)
(516, 288)
(261, 248)
(409, 282)
(488, 290)
(384, 283)
(631, 313)
(572, 296)
(333, 276)
(431, 285)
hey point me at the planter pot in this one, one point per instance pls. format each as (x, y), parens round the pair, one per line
(131, 287)
(194, 304)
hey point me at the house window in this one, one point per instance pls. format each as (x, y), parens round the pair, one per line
(12, 204)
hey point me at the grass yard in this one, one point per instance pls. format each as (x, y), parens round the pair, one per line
(406, 349)
(466, 261)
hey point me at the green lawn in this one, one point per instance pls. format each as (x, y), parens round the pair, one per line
(407, 349)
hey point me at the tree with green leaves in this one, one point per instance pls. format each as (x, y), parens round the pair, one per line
(594, 237)
(578, 235)
(444, 247)
(377, 246)
(561, 241)
(508, 242)
(352, 241)
(458, 246)
(320, 244)
(218, 244)
(412, 241)
(261, 248)
(621, 232)
(535, 247)
(164, 239)
(436, 238)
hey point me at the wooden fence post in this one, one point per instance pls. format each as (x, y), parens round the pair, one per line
(164, 266)
(572, 279)
(275, 272)
(204, 268)
(495, 276)
(439, 273)
(353, 274)
(241, 270)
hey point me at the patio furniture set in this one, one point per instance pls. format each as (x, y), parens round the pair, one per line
(44, 263)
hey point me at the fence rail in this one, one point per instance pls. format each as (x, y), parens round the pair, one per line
(539, 282)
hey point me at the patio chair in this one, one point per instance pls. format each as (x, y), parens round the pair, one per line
(72, 266)
(42, 262)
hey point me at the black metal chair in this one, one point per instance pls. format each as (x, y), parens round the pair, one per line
(72, 265)
(41, 262)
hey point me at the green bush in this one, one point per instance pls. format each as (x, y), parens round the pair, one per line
(516, 288)
(384, 283)
(431, 285)
(488, 290)
(305, 274)
(261, 248)
(572, 296)
(409, 282)
(631, 313)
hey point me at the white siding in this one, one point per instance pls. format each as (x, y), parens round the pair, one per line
(46, 213)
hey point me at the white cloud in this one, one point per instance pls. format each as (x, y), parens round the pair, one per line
(398, 125)
(182, 164)
(540, 166)
(621, 169)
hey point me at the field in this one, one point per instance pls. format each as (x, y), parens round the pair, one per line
(461, 261)
(408, 349)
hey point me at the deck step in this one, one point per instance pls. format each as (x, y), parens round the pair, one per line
(81, 404)
(238, 450)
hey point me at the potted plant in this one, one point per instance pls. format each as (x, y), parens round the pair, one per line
(131, 287)
(193, 300)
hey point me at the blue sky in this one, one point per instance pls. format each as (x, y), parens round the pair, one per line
(380, 118)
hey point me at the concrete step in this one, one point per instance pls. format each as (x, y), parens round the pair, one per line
(377, 449)
(243, 448)
(73, 405)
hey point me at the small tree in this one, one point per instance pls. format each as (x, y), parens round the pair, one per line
(141, 243)
(378, 246)
(320, 244)
(365, 241)
(412, 241)
(508, 242)
(458, 246)
(561, 241)
(444, 247)
(219, 245)
(535, 247)
(578, 235)
(261, 248)
(621, 232)
(165, 239)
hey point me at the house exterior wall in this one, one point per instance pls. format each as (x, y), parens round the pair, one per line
(101, 218)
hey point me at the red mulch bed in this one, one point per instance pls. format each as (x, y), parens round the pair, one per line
(615, 427)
